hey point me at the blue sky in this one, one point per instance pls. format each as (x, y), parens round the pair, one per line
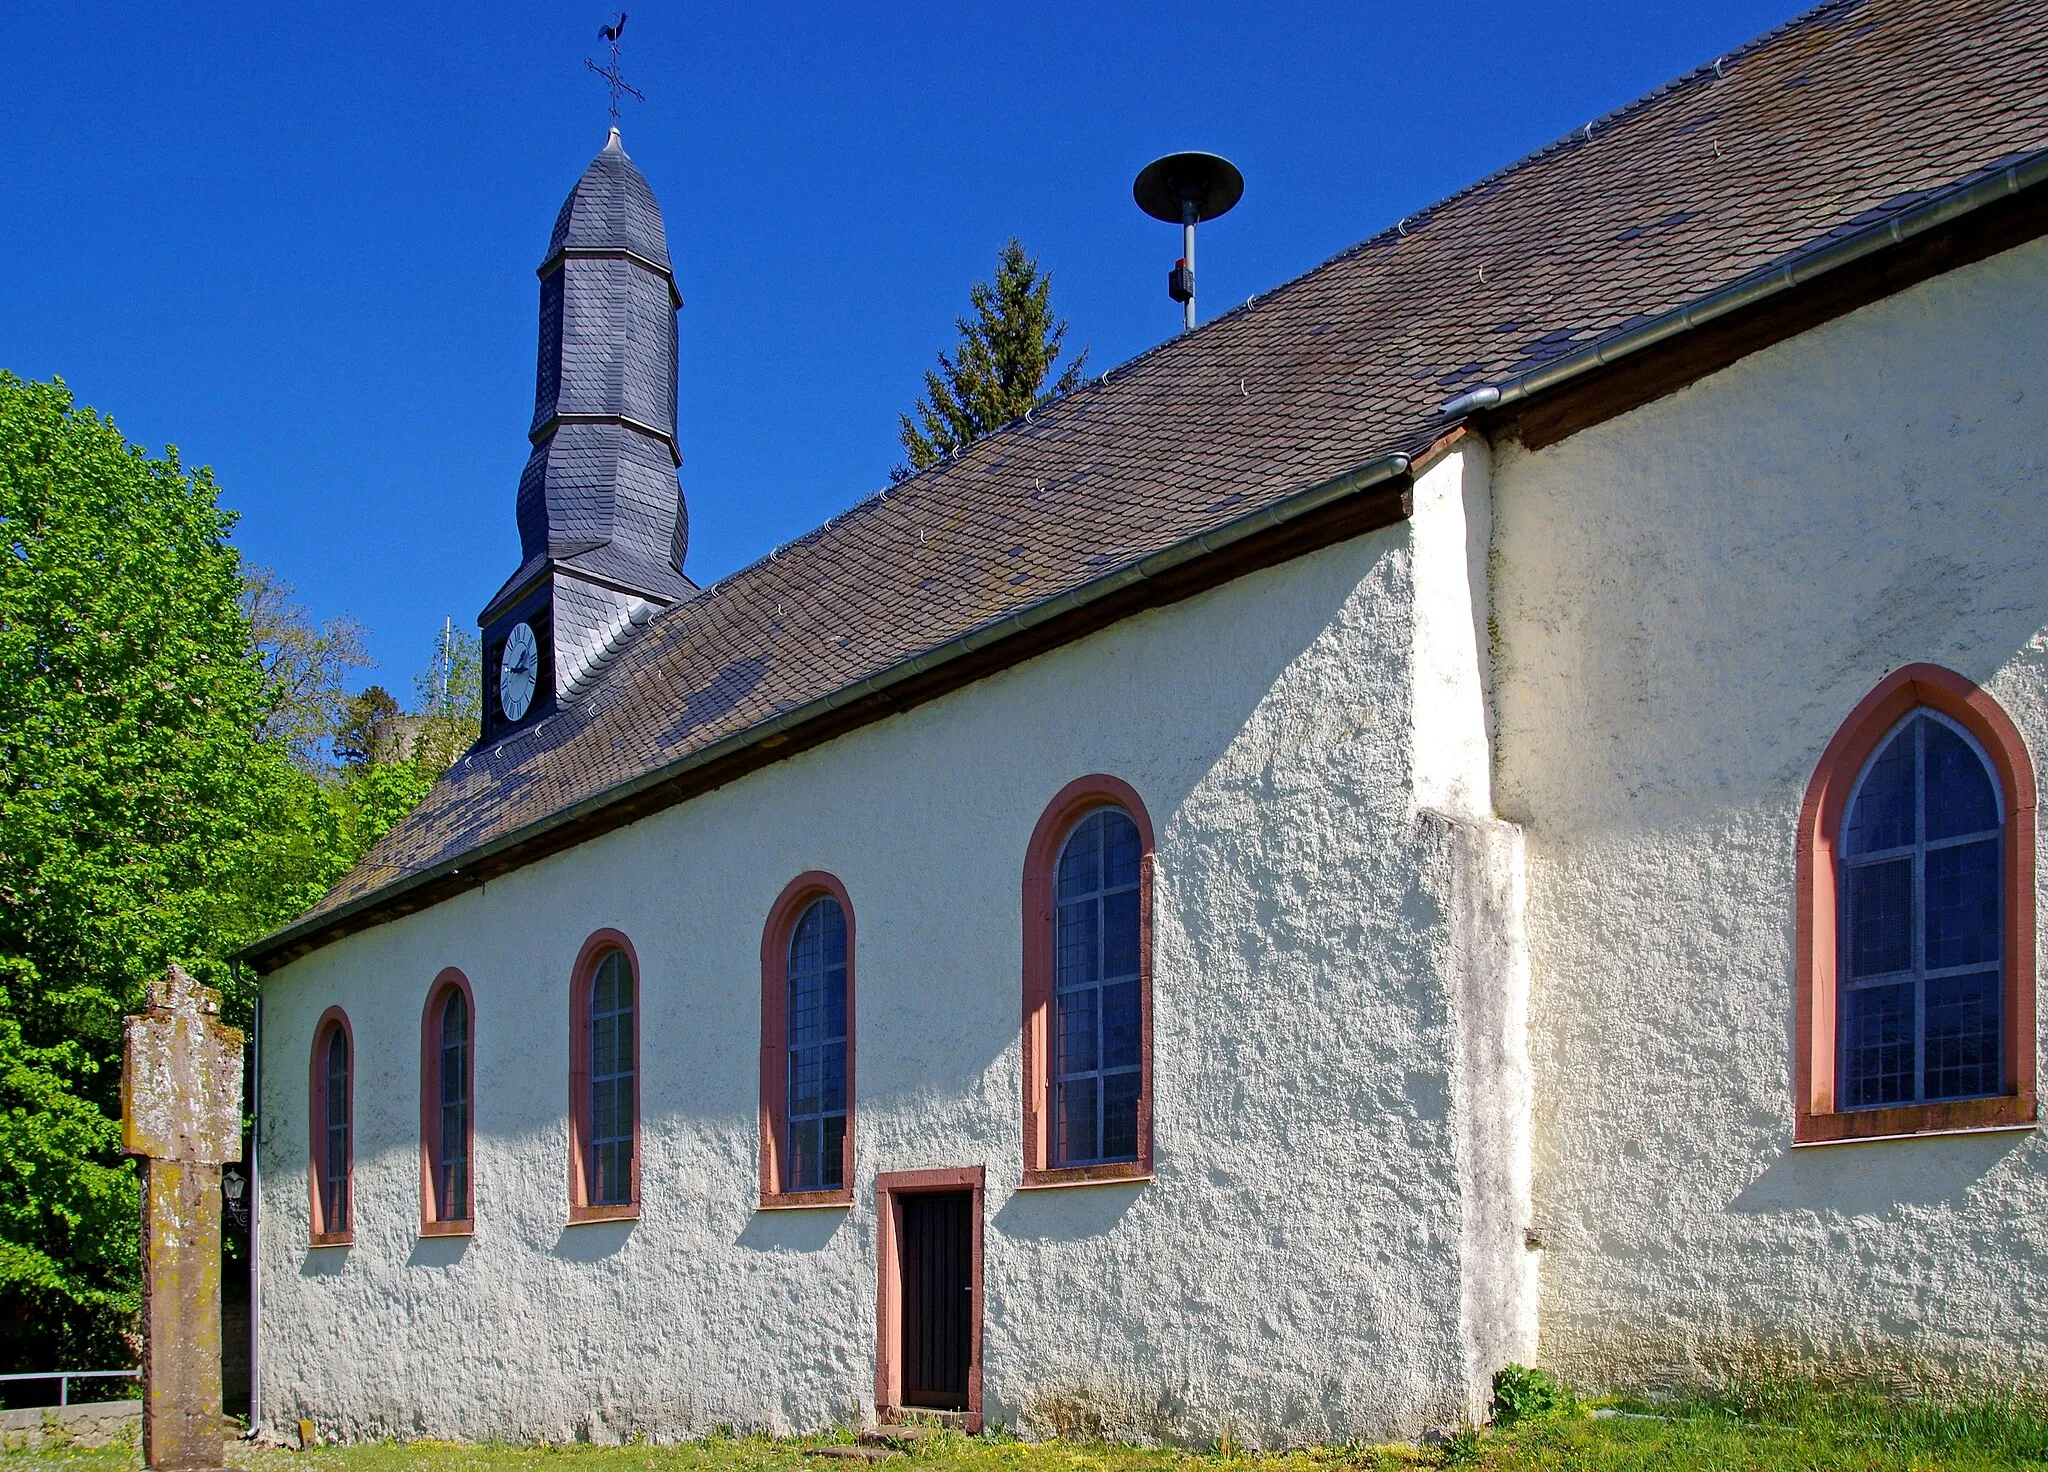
(299, 242)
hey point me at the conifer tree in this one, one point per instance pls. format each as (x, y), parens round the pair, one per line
(999, 368)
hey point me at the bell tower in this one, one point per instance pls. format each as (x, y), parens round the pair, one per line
(602, 526)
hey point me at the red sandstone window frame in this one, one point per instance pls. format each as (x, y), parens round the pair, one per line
(797, 897)
(581, 978)
(1073, 803)
(316, 1172)
(890, 1189)
(1816, 1121)
(432, 1224)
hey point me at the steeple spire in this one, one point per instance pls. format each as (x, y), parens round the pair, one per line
(602, 526)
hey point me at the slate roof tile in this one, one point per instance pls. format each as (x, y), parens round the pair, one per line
(1845, 114)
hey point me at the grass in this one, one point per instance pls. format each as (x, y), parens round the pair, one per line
(1783, 1428)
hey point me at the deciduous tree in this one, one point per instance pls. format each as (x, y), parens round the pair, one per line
(150, 811)
(304, 666)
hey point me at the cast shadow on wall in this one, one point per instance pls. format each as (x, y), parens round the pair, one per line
(324, 1262)
(1072, 1214)
(1877, 1177)
(436, 1252)
(592, 1241)
(791, 1231)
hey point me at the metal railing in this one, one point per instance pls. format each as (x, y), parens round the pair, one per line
(65, 1377)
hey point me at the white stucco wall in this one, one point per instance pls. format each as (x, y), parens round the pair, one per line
(1689, 601)
(1296, 1272)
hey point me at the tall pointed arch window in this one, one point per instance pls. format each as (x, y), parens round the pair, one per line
(807, 993)
(604, 1082)
(1920, 893)
(447, 1119)
(1088, 988)
(1916, 992)
(333, 1131)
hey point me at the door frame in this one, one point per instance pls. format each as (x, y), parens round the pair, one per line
(890, 1189)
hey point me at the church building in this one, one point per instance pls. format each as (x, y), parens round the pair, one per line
(1477, 808)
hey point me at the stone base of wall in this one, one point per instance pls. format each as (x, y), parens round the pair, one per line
(102, 1423)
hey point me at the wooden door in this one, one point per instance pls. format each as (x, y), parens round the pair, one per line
(938, 1298)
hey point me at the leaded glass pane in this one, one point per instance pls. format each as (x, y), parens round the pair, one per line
(1120, 1025)
(1922, 891)
(1882, 816)
(1120, 934)
(1080, 943)
(805, 1152)
(1960, 797)
(1075, 1126)
(1081, 859)
(1881, 918)
(832, 1159)
(1877, 1046)
(1963, 1035)
(1120, 849)
(1097, 1021)
(1078, 1030)
(1119, 1115)
(1962, 904)
(816, 1025)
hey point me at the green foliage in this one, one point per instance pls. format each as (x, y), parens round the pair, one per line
(1521, 1394)
(998, 370)
(359, 737)
(303, 666)
(151, 809)
(450, 692)
(1995, 1429)
(1822, 1431)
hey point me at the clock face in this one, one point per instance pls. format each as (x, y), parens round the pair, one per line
(518, 670)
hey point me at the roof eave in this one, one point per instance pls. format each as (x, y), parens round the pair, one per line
(305, 935)
(1757, 289)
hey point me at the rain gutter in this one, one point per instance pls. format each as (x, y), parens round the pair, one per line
(1944, 208)
(777, 728)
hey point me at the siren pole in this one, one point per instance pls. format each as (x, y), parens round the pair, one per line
(1185, 189)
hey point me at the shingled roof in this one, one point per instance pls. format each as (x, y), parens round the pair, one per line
(1855, 114)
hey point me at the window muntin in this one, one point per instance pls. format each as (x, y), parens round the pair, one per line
(1097, 1063)
(1921, 892)
(816, 1044)
(334, 1154)
(610, 1160)
(451, 1164)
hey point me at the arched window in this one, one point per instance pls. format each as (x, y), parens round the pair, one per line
(447, 1127)
(1088, 988)
(604, 1082)
(1919, 894)
(1095, 1064)
(807, 1046)
(333, 1130)
(1916, 918)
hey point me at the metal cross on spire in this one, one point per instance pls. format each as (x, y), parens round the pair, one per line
(610, 73)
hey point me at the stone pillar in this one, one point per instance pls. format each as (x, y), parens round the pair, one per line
(181, 1112)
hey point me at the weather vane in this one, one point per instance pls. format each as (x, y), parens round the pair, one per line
(610, 73)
